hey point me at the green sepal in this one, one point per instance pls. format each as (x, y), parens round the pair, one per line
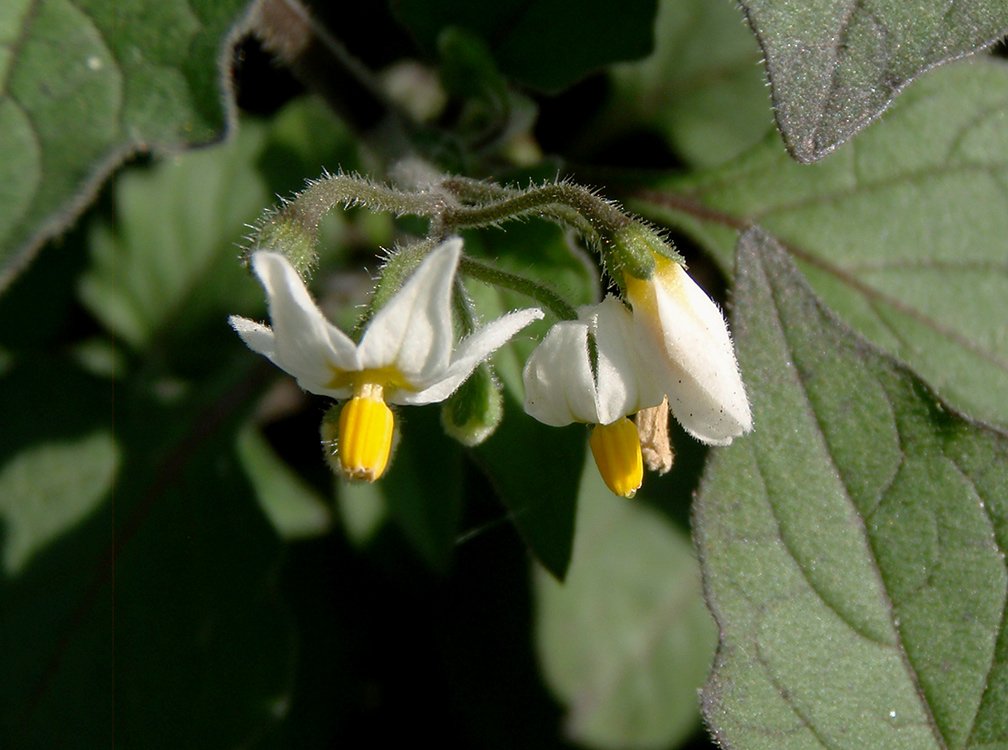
(472, 413)
(286, 231)
(634, 249)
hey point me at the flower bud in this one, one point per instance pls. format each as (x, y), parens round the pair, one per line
(287, 232)
(472, 413)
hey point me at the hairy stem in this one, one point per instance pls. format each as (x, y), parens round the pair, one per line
(542, 294)
(593, 216)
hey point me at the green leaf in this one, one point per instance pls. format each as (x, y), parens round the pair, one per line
(292, 506)
(704, 66)
(853, 547)
(903, 233)
(58, 462)
(548, 44)
(203, 645)
(363, 510)
(423, 487)
(47, 488)
(535, 470)
(175, 231)
(834, 67)
(626, 640)
(169, 262)
(83, 83)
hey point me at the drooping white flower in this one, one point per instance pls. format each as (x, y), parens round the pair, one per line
(589, 370)
(675, 343)
(561, 385)
(407, 354)
(688, 350)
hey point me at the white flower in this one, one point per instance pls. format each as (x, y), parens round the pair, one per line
(564, 385)
(407, 354)
(675, 343)
(560, 384)
(688, 350)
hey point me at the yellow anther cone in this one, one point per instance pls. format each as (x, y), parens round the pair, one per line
(366, 426)
(617, 452)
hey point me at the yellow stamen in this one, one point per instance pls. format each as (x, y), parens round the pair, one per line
(617, 452)
(366, 426)
(388, 377)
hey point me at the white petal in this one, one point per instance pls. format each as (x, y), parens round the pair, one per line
(305, 344)
(414, 330)
(701, 374)
(624, 385)
(559, 388)
(468, 354)
(257, 337)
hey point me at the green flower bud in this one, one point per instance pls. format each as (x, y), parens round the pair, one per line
(472, 413)
(287, 232)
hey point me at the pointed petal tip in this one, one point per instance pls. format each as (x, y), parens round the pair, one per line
(263, 258)
(723, 429)
(448, 253)
(257, 337)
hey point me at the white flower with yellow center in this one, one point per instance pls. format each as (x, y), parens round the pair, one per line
(688, 350)
(406, 355)
(566, 382)
(612, 363)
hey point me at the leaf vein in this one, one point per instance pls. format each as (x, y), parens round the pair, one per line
(872, 293)
(915, 178)
(985, 506)
(18, 42)
(869, 549)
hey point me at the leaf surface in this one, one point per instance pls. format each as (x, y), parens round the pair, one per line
(702, 87)
(625, 640)
(535, 469)
(853, 546)
(168, 264)
(83, 83)
(835, 65)
(138, 571)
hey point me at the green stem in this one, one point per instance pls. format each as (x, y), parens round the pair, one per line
(471, 191)
(596, 216)
(491, 275)
(322, 195)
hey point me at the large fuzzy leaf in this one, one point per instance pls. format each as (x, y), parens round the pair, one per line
(84, 83)
(853, 546)
(835, 65)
